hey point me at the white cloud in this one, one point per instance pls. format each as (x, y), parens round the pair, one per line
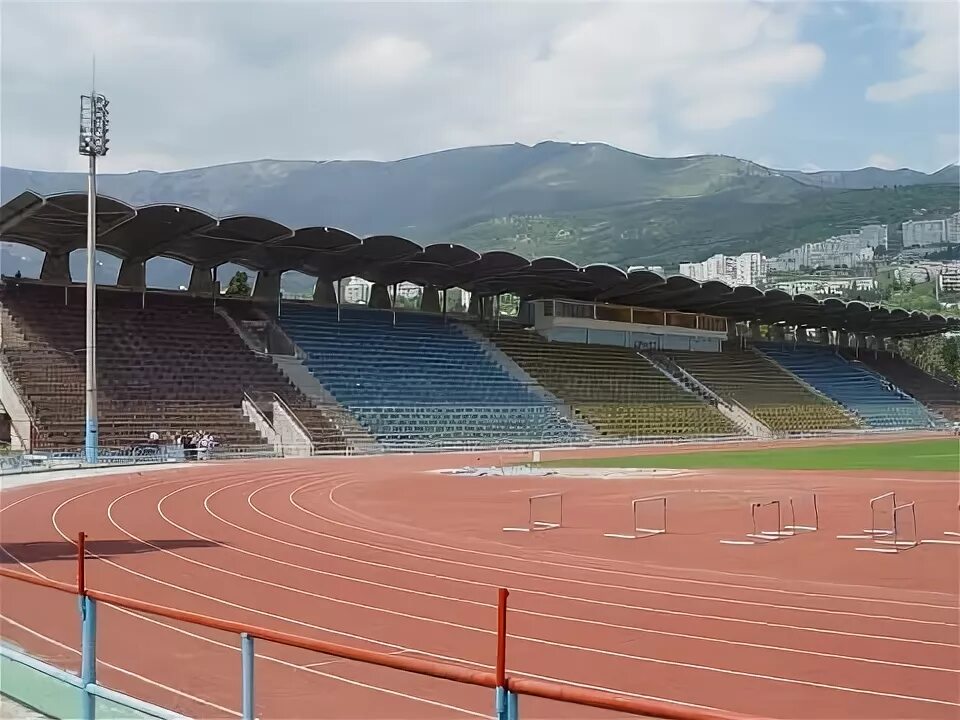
(387, 59)
(203, 83)
(884, 162)
(930, 63)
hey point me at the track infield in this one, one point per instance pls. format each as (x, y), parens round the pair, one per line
(941, 455)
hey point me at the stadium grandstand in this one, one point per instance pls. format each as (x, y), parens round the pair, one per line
(594, 354)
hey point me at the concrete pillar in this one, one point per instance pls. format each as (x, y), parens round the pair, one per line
(800, 331)
(56, 268)
(843, 338)
(133, 274)
(201, 281)
(754, 328)
(526, 312)
(475, 309)
(324, 293)
(379, 297)
(430, 299)
(267, 288)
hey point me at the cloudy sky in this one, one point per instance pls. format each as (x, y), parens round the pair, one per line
(795, 85)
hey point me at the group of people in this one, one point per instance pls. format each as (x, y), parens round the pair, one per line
(194, 445)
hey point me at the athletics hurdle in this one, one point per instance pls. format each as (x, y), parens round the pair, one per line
(876, 504)
(944, 541)
(760, 535)
(813, 524)
(895, 543)
(952, 533)
(660, 506)
(534, 524)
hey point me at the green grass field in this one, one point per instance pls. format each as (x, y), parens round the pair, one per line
(920, 455)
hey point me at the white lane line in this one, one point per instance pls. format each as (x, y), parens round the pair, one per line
(630, 573)
(566, 646)
(341, 660)
(219, 600)
(100, 661)
(681, 581)
(288, 477)
(301, 623)
(465, 601)
(233, 648)
(475, 566)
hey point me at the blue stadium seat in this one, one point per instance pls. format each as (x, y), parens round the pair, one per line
(413, 380)
(851, 385)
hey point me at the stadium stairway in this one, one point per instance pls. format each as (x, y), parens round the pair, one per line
(619, 393)
(523, 377)
(858, 390)
(264, 336)
(413, 380)
(730, 408)
(166, 363)
(937, 394)
(752, 382)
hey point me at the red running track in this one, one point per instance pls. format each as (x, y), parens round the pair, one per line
(382, 553)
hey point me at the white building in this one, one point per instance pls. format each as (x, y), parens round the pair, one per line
(874, 235)
(408, 290)
(850, 249)
(825, 286)
(744, 269)
(924, 233)
(949, 278)
(355, 291)
(953, 229)
(651, 268)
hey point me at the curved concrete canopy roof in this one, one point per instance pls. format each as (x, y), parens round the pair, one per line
(57, 224)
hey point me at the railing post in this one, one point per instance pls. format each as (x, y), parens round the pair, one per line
(503, 695)
(88, 634)
(513, 706)
(88, 655)
(247, 657)
(81, 565)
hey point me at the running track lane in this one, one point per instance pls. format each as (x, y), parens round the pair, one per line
(137, 515)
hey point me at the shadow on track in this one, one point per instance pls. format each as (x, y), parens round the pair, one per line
(46, 551)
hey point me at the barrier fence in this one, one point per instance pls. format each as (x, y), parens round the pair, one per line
(508, 689)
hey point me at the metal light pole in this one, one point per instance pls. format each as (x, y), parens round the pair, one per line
(93, 144)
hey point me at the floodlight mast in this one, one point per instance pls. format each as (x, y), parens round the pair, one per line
(93, 144)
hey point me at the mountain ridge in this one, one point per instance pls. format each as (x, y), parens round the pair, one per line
(590, 202)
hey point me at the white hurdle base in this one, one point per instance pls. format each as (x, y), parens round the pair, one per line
(877, 549)
(540, 525)
(641, 533)
(644, 532)
(537, 526)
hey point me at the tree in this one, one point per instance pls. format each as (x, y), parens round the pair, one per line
(239, 285)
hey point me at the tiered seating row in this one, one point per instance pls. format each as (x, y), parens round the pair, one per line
(612, 388)
(771, 395)
(857, 389)
(174, 365)
(931, 391)
(412, 379)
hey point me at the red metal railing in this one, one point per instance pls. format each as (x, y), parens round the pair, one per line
(446, 671)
